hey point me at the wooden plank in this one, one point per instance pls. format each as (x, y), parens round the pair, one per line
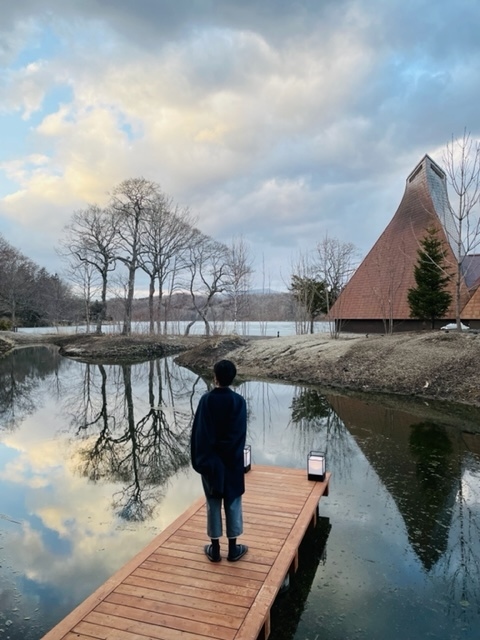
(260, 609)
(196, 583)
(241, 600)
(90, 603)
(166, 620)
(170, 590)
(166, 597)
(112, 626)
(222, 568)
(178, 611)
(172, 556)
(205, 576)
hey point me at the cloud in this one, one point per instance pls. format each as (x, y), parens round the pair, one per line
(275, 120)
(64, 524)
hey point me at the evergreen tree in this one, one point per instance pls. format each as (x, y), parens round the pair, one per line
(429, 300)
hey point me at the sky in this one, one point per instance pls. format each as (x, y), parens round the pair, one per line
(275, 121)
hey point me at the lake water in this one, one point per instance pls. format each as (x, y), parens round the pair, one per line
(252, 329)
(94, 462)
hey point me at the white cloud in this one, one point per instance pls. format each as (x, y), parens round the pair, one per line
(61, 507)
(264, 122)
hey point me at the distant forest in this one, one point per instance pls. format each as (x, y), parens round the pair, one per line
(30, 296)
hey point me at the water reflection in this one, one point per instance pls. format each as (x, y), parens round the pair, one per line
(21, 376)
(436, 477)
(434, 482)
(460, 565)
(290, 604)
(417, 462)
(138, 442)
(94, 461)
(313, 413)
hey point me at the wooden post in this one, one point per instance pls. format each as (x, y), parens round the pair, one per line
(294, 566)
(265, 632)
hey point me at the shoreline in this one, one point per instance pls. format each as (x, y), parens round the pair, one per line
(428, 364)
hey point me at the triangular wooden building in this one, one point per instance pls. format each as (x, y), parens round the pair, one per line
(375, 298)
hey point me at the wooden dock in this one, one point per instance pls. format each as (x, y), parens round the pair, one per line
(171, 591)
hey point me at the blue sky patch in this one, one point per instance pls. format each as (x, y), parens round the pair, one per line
(43, 44)
(51, 539)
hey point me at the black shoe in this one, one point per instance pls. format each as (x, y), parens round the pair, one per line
(240, 551)
(211, 555)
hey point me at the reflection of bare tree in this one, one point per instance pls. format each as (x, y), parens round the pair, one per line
(262, 395)
(142, 452)
(461, 563)
(313, 415)
(21, 374)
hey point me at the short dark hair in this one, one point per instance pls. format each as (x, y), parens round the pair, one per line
(225, 372)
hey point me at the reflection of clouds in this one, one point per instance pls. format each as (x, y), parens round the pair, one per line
(269, 431)
(32, 468)
(60, 505)
(98, 546)
(69, 540)
(471, 488)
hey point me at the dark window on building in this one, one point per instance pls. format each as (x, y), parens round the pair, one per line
(415, 173)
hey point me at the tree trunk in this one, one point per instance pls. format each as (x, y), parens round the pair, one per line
(102, 315)
(151, 293)
(189, 326)
(127, 322)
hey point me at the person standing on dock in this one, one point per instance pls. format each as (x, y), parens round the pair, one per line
(218, 439)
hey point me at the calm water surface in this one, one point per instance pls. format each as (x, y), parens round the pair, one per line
(94, 462)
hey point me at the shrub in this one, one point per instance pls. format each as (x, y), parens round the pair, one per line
(5, 324)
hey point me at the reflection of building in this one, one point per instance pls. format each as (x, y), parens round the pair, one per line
(417, 462)
(375, 299)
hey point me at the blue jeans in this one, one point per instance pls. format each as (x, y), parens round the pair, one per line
(233, 515)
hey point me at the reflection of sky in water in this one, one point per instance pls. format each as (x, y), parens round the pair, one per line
(61, 536)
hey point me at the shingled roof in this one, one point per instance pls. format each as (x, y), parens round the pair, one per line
(378, 289)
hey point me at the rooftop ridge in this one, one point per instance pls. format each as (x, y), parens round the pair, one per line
(424, 164)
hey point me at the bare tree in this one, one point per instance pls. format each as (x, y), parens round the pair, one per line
(90, 246)
(52, 301)
(166, 234)
(208, 275)
(30, 294)
(132, 203)
(306, 290)
(17, 278)
(334, 264)
(240, 267)
(139, 454)
(462, 164)
(86, 283)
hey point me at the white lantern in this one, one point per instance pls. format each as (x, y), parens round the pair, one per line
(247, 458)
(316, 465)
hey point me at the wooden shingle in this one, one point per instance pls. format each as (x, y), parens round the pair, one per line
(378, 289)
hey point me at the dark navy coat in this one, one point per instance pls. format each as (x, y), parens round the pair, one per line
(218, 440)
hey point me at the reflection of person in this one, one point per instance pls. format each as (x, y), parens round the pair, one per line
(217, 443)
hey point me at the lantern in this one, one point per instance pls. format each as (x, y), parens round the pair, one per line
(247, 458)
(316, 465)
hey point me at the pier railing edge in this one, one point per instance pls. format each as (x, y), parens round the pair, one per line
(259, 614)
